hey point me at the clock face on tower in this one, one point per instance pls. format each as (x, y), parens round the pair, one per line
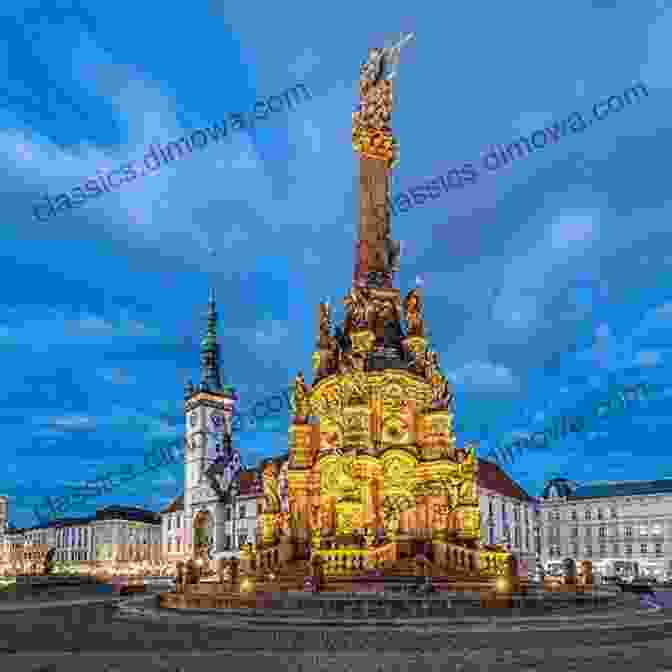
(216, 422)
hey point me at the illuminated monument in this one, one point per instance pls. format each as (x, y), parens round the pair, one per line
(373, 472)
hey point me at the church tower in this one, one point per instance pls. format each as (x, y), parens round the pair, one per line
(208, 407)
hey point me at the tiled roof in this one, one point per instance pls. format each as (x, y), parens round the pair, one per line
(625, 489)
(176, 505)
(491, 477)
(127, 513)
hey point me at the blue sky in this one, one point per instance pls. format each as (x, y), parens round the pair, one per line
(545, 282)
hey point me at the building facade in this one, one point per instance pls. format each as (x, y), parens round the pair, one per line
(239, 524)
(624, 528)
(510, 517)
(116, 539)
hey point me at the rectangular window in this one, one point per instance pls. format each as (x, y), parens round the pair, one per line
(588, 514)
(657, 529)
(643, 549)
(516, 536)
(603, 549)
(516, 513)
(613, 513)
(616, 549)
(227, 513)
(557, 515)
(241, 513)
(573, 514)
(599, 514)
(170, 523)
(659, 549)
(575, 532)
(550, 516)
(628, 531)
(643, 530)
(574, 549)
(602, 532)
(589, 551)
(588, 532)
(628, 549)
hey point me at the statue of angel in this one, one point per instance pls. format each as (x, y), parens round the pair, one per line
(301, 397)
(357, 310)
(413, 313)
(325, 325)
(375, 88)
(442, 394)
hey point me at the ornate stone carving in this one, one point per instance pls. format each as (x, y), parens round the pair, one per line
(301, 398)
(325, 326)
(415, 324)
(442, 394)
(362, 341)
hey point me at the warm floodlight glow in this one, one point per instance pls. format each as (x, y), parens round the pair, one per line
(502, 584)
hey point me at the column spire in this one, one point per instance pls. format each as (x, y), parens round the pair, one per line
(376, 255)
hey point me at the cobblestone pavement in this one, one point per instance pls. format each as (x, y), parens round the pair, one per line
(97, 641)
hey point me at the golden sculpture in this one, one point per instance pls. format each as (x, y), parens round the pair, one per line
(301, 398)
(415, 325)
(378, 461)
(325, 326)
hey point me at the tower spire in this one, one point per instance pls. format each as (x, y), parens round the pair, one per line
(210, 377)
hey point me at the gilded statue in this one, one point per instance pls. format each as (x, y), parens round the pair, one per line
(375, 87)
(325, 326)
(271, 494)
(301, 397)
(442, 394)
(433, 368)
(413, 313)
(358, 310)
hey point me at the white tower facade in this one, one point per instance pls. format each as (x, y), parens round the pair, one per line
(4, 513)
(210, 462)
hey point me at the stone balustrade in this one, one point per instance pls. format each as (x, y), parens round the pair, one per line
(454, 556)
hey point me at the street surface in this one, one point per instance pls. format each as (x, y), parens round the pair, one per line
(94, 637)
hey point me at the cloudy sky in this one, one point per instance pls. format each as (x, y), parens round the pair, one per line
(545, 280)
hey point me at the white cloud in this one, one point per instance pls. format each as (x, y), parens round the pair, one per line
(567, 231)
(67, 421)
(59, 328)
(272, 333)
(116, 376)
(484, 374)
(648, 358)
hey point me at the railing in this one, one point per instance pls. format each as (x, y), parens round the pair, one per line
(453, 556)
(343, 560)
(346, 560)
